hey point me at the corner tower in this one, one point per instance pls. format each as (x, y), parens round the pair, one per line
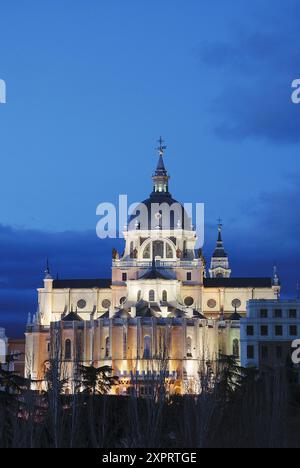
(219, 265)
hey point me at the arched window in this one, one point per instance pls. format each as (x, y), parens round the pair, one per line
(79, 345)
(164, 296)
(189, 347)
(124, 344)
(147, 252)
(68, 349)
(172, 220)
(147, 347)
(151, 295)
(184, 249)
(158, 249)
(131, 249)
(169, 251)
(107, 347)
(235, 348)
(139, 296)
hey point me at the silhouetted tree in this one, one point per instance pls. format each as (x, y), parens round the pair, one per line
(230, 377)
(96, 380)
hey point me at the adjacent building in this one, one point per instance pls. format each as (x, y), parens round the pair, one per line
(16, 353)
(268, 331)
(3, 346)
(12, 353)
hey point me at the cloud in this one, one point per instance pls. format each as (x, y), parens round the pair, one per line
(264, 111)
(266, 231)
(256, 69)
(23, 260)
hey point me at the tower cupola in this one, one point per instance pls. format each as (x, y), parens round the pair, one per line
(161, 177)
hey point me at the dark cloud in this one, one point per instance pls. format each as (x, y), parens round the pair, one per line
(264, 111)
(266, 231)
(256, 69)
(23, 260)
(254, 52)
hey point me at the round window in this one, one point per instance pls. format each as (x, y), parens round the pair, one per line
(211, 303)
(236, 303)
(81, 304)
(122, 300)
(106, 304)
(189, 301)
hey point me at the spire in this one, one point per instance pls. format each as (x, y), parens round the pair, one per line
(276, 281)
(160, 177)
(47, 270)
(219, 266)
(29, 319)
(219, 250)
(160, 169)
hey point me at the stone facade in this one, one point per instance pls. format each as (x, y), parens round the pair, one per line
(158, 315)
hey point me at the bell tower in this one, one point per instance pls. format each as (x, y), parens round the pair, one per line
(219, 265)
(160, 177)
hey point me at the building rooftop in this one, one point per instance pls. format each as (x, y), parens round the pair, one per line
(81, 283)
(72, 317)
(238, 282)
(153, 274)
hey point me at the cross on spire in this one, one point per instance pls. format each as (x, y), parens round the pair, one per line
(161, 148)
(220, 225)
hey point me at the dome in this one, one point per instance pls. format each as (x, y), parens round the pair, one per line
(159, 210)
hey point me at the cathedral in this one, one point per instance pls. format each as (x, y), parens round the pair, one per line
(162, 315)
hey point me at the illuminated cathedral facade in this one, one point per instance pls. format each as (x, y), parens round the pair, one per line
(160, 316)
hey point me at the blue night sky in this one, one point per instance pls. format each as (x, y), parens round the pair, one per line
(90, 87)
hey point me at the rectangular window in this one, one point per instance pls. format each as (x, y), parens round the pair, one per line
(292, 313)
(250, 352)
(264, 352)
(264, 313)
(279, 352)
(124, 276)
(250, 330)
(293, 330)
(189, 276)
(278, 330)
(278, 313)
(264, 331)
(16, 355)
